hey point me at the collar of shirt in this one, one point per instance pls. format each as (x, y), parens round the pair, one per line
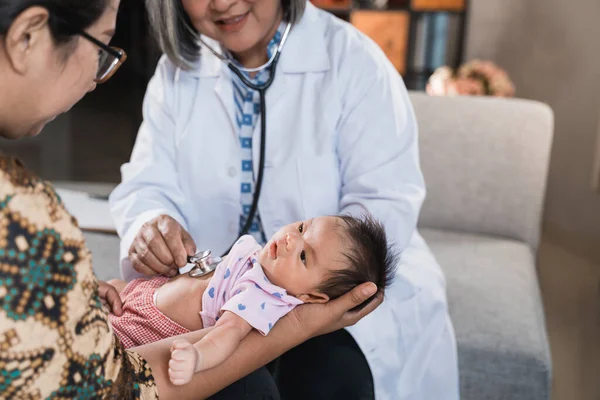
(263, 74)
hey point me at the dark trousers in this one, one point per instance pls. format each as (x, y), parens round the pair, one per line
(328, 367)
(259, 385)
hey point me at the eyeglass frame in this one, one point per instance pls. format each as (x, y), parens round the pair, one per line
(119, 56)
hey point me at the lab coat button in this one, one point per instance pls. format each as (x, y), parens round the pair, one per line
(232, 172)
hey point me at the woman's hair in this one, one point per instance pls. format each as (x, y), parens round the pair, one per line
(177, 36)
(67, 17)
(369, 258)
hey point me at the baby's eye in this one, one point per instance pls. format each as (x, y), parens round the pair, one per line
(303, 257)
(301, 227)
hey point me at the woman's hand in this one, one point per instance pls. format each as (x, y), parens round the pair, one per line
(160, 247)
(319, 319)
(110, 297)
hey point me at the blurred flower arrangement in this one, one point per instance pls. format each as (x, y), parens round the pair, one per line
(474, 78)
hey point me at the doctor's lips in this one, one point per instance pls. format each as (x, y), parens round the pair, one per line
(231, 23)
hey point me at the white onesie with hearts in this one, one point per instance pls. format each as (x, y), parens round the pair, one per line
(239, 285)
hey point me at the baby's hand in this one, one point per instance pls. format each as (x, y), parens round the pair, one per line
(184, 358)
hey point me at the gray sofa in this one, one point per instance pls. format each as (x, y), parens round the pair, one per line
(485, 162)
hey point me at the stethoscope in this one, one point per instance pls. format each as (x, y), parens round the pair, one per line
(204, 262)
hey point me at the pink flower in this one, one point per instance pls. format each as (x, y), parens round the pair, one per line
(437, 84)
(473, 78)
(501, 87)
(466, 87)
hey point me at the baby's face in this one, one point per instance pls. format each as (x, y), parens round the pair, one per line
(300, 255)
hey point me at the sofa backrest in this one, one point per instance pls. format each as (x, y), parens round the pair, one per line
(485, 162)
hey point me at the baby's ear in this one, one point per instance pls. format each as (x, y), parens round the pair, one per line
(314, 297)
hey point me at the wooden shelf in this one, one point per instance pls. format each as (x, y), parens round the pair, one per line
(395, 25)
(436, 5)
(333, 5)
(389, 29)
(416, 6)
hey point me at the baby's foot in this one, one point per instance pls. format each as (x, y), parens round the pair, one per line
(184, 358)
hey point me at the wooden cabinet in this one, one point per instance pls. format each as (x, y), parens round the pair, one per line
(405, 32)
(333, 5)
(389, 29)
(434, 5)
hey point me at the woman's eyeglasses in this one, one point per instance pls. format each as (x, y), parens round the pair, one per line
(109, 58)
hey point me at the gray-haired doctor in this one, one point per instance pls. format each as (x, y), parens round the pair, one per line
(337, 135)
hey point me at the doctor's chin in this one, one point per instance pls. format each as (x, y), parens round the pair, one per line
(322, 199)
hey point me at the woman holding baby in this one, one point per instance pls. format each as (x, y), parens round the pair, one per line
(341, 138)
(55, 338)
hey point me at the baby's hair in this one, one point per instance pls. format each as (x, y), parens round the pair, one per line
(369, 257)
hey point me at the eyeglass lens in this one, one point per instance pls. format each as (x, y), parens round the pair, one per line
(106, 62)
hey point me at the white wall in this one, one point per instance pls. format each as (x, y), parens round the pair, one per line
(596, 177)
(551, 49)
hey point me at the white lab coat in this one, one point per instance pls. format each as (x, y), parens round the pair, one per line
(341, 138)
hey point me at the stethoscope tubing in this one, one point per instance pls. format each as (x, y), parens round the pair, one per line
(262, 89)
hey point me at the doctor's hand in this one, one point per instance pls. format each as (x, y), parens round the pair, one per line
(319, 319)
(160, 247)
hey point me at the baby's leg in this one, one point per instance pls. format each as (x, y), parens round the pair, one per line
(118, 284)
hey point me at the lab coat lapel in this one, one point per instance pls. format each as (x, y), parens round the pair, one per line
(224, 90)
(208, 66)
(306, 48)
(273, 110)
(305, 51)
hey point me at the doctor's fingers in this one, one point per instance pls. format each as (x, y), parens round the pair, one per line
(188, 243)
(140, 266)
(173, 234)
(146, 257)
(151, 239)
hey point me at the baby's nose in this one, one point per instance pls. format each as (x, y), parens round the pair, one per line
(291, 240)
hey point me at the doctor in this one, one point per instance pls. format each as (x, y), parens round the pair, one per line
(341, 137)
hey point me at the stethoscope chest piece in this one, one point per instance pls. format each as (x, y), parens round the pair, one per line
(204, 263)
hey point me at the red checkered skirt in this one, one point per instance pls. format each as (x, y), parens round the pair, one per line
(141, 322)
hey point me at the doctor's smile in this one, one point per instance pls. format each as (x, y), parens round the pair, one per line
(233, 24)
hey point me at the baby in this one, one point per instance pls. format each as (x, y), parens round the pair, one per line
(310, 261)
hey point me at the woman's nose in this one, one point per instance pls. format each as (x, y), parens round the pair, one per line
(92, 87)
(221, 5)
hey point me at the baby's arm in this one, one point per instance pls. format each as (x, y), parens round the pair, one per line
(210, 351)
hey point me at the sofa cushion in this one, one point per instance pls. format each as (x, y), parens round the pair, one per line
(497, 313)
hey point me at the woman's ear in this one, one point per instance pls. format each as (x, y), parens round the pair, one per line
(314, 297)
(27, 33)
